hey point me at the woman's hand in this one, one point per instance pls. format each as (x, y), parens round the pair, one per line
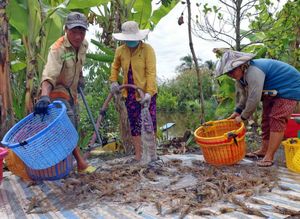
(238, 119)
(146, 100)
(114, 87)
(233, 115)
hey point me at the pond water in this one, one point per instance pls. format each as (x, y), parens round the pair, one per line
(183, 122)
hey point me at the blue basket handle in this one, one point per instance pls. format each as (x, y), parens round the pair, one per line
(58, 104)
(23, 143)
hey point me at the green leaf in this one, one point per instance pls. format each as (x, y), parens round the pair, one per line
(34, 21)
(18, 16)
(80, 4)
(17, 66)
(100, 58)
(52, 31)
(142, 13)
(206, 8)
(260, 36)
(261, 52)
(215, 9)
(160, 13)
(103, 48)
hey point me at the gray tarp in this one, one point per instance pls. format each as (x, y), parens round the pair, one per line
(15, 197)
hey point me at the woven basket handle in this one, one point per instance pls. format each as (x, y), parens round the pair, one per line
(231, 135)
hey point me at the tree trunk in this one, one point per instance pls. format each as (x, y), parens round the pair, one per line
(238, 5)
(201, 98)
(30, 73)
(6, 111)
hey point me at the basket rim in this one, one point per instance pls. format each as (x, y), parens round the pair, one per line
(217, 144)
(287, 142)
(37, 135)
(221, 137)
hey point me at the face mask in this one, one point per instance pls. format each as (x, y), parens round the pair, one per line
(132, 44)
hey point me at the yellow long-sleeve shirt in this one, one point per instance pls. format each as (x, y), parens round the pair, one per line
(143, 65)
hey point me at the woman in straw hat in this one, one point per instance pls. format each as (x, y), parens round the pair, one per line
(138, 63)
(274, 82)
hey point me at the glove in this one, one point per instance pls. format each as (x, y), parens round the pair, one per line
(146, 100)
(81, 84)
(114, 87)
(41, 105)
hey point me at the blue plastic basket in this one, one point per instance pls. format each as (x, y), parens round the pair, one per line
(41, 141)
(55, 172)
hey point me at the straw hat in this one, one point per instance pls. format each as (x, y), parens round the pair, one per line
(231, 60)
(131, 32)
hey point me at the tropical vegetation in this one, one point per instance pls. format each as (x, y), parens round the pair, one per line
(30, 27)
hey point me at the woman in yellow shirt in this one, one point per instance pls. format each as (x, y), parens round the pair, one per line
(138, 63)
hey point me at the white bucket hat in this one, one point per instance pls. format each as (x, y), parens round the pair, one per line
(131, 32)
(231, 60)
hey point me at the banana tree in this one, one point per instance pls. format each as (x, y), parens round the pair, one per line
(6, 112)
(110, 16)
(36, 37)
(38, 24)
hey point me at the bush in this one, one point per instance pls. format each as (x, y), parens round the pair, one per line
(166, 102)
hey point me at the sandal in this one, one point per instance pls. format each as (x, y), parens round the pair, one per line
(88, 170)
(254, 155)
(265, 163)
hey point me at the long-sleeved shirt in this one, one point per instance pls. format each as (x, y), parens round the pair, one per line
(64, 68)
(143, 64)
(267, 74)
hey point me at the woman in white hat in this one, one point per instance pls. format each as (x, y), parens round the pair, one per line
(274, 82)
(138, 63)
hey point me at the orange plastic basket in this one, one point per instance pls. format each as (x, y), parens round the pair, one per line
(16, 165)
(222, 142)
(3, 153)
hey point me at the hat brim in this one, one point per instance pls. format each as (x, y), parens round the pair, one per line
(131, 37)
(234, 64)
(71, 26)
(238, 62)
